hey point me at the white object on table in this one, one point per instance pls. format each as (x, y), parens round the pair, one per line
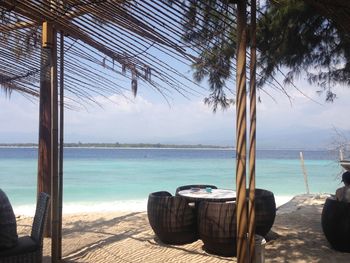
(215, 193)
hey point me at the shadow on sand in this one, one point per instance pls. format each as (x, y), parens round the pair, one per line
(296, 237)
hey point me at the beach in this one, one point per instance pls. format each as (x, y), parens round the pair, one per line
(106, 190)
(84, 141)
(127, 237)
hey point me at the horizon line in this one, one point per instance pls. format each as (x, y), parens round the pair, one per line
(154, 146)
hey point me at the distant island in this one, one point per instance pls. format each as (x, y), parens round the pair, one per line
(122, 145)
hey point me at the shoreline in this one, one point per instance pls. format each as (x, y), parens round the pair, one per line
(131, 205)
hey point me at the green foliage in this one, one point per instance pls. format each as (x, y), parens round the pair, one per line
(290, 35)
(208, 25)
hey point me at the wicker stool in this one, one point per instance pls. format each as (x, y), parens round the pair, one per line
(171, 218)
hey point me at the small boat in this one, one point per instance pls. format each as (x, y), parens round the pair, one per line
(345, 164)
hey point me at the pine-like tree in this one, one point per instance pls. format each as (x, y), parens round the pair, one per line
(294, 36)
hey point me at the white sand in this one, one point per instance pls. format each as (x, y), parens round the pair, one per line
(127, 237)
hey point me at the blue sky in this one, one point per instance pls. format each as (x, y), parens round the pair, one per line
(149, 119)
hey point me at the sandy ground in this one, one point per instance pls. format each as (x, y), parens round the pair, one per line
(127, 237)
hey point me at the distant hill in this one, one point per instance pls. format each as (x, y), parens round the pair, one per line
(120, 145)
(307, 138)
(299, 138)
(289, 137)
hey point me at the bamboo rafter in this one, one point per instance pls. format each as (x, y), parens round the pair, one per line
(110, 39)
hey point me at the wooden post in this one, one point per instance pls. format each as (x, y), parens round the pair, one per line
(44, 149)
(341, 154)
(304, 172)
(60, 164)
(54, 153)
(241, 133)
(252, 133)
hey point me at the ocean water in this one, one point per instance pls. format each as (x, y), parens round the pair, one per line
(121, 179)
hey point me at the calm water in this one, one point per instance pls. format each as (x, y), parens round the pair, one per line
(117, 178)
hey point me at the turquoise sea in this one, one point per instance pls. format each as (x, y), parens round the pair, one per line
(98, 179)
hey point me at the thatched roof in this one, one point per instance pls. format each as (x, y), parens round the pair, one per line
(112, 46)
(135, 40)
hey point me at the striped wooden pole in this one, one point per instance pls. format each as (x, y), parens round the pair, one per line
(60, 163)
(241, 133)
(54, 151)
(252, 133)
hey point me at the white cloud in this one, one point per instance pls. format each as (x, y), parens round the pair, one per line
(304, 112)
(18, 114)
(142, 120)
(148, 119)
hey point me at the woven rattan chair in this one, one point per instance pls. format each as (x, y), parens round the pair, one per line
(217, 227)
(336, 224)
(265, 211)
(171, 218)
(30, 248)
(185, 187)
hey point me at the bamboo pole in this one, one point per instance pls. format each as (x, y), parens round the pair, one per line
(44, 148)
(241, 133)
(54, 151)
(341, 154)
(304, 172)
(252, 133)
(60, 164)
